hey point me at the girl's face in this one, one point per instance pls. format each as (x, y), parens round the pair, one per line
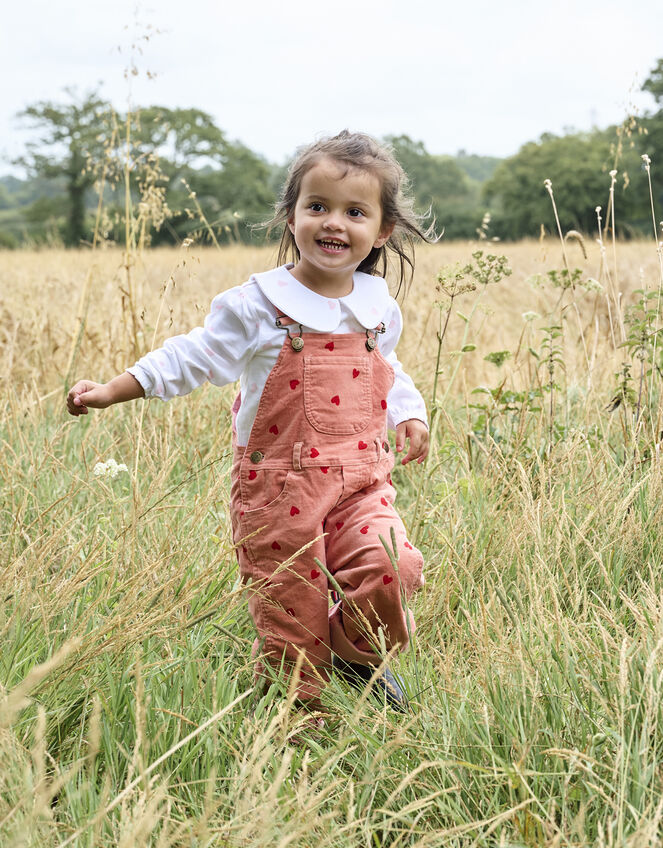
(336, 222)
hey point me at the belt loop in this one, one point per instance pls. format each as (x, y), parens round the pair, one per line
(297, 456)
(378, 448)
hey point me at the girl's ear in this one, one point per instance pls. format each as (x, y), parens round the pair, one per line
(385, 233)
(291, 224)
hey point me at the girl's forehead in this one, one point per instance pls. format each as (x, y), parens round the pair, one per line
(333, 177)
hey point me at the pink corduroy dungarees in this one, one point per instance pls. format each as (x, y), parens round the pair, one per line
(316, 472)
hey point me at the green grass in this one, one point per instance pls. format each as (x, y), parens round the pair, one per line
(538, 651)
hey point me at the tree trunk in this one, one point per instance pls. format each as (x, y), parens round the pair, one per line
(77, 184)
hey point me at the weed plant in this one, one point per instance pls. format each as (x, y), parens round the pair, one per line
(127, 710)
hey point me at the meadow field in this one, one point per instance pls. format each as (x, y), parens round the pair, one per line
(127, 710)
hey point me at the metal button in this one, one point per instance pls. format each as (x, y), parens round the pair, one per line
(370, 344)
(297, 343)
(256, 457)
(385, 447)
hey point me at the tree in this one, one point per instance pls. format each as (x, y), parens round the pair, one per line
(578, 166)
(72, 135)
(186, 151)
(238, 193)
(652, 123)
(182, 138)
(440, 185)
(654, 82)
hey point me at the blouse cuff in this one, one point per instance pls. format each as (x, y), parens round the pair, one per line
(148, 385)
(397, 415)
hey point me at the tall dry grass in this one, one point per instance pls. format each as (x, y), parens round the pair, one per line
(128, 716)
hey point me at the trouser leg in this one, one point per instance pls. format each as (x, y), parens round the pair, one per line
(287, 591)
(288, 602)
(375, 592)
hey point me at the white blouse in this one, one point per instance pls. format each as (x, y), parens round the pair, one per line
(240, 340)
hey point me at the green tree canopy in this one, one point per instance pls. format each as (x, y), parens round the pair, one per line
(654, 82)
(71, 136)
(234, 195)
(439, 185)
(578, 166)
(182, 138)
(163, 149)
(652, 123)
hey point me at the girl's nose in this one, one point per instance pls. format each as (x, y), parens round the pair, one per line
(333, 221)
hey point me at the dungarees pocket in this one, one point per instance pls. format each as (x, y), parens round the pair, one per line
(264, 488)
(333, 409)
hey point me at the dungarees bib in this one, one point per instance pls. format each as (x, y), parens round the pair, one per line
(314, 481)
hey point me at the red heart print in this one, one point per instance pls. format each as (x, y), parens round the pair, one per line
(384, 502)
(291, 611)
(294, 510)
(294, 384)
(314, 453)
(339, 524)
(274, 429)
(253, 475)
(317, 642)
(355, 373)
(383, 404)
(330, 345)
(315, 573)
(409, 546)
(364, 529)
(244, 551)
(336, 399)
(362, 445)
(241, 513)
(276, 546)
(386, 579)
(324, 468)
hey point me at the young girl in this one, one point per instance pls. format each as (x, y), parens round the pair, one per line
(312, 344)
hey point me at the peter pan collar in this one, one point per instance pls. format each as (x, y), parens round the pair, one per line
(368, 301)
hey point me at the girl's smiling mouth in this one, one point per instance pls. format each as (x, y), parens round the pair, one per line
(332, 245)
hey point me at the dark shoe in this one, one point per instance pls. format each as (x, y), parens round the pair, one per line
(386, 686)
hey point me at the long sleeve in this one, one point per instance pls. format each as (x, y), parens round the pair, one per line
(217, 352)
(404, 400)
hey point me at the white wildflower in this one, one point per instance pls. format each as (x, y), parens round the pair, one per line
(591, 284)
(646, 160)
(109, 469)
(530, 316)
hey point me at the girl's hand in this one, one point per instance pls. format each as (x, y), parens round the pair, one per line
(417, 432)
(100, 395)
(87, 394)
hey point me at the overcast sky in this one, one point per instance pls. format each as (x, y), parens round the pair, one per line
(483, 76)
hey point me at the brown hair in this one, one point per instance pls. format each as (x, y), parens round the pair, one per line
(358, 150)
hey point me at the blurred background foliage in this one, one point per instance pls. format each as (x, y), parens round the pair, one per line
(187, 179)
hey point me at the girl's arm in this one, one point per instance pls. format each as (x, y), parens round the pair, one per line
(100, 395)
(217, 352)
(407, 410)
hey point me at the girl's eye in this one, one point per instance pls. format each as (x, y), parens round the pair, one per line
(355, 213)
(316, 207)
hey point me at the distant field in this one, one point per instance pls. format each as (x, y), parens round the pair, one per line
(40, 291)
(537, 669)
